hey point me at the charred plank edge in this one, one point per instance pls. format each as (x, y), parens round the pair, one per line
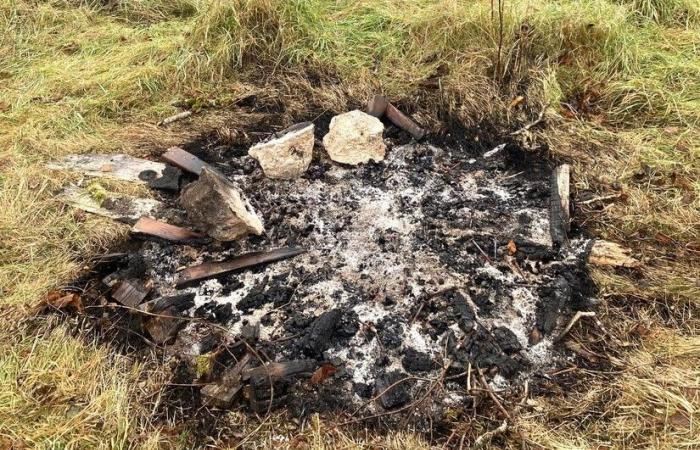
(379, 106)
(178, 302)
(151, 227)
(276, 370)
(559, 215)
(184, 160)
(208, 270)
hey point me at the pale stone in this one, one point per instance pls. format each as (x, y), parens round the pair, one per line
(214, 204)
(355, 137)
(288, 155)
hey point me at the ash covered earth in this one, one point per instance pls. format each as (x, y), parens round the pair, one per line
(423, 267)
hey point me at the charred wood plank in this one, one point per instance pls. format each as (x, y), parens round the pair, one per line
(184, 160)
(380, 106)
(208, 270)
(559, 212)
(130, 293)
(152, 227)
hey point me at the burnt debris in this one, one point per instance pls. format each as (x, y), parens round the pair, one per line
(371, 282)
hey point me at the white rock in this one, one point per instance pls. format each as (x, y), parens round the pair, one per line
(214, 204)
(355, 137)
(288, 156)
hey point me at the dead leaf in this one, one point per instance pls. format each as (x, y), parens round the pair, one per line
(680, 420)
(107, 168)
(64, 300)
(4, 107)
(512, 248)
(663, 239)
(323, 372)
(516, 101)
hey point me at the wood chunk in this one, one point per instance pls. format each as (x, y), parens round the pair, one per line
(130, 293)
(606, 253)
(559, 213)
(275, 370)
(208, 270)
(152, 227)
(117, 167)
(122, 208)
(223, 393)
(184, 160)
(379, 106)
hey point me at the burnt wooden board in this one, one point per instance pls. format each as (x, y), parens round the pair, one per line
(208, 270)
(152, 227)
(184, 160)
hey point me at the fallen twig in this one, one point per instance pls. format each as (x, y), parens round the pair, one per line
(174, 118)
(602, 198)
(573, 321)
(527, 127)
(486, 438)
(493, 396)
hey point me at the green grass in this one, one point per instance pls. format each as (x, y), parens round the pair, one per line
(620, 81)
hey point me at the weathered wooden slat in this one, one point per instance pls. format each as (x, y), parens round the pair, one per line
(559, 214)
(164, 326)
(152, 227)
(184, 160)
(208, 270)
(123, 208)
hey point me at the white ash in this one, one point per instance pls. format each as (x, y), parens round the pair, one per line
(349, 267)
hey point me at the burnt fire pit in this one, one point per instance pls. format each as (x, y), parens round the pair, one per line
(420, 275)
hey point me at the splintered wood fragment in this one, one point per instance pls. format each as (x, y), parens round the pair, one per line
(175, 118)
(164, 326)
(152, 227)
(184, 160)
(117, 167)
(123, 208)
(223, 393)
(606, 253)
(130, 293)
(208, 270)
(559, 213)
(276, 370)
(380, 106)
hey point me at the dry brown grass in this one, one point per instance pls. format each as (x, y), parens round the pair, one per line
(619, 80)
